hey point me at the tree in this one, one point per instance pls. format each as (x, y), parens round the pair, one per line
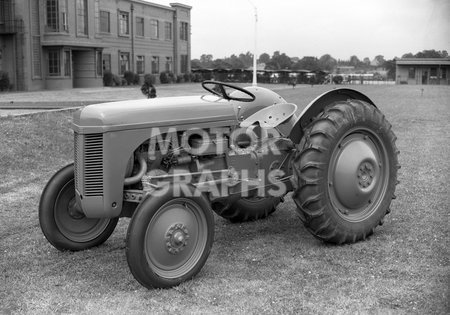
(308, 63)
(206, 60)
(389, 65)
(221, 64)
(279, 61)
(265, 58)
(246, 59)
(326, 62)
(431, 54)
(196, 64)
(408, 55)
(235, 62)
(354, 61)
(379, 60)
(366, 61)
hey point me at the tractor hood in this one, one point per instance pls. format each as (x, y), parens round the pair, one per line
(157, 112)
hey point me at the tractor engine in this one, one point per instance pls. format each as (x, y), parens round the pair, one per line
(225, 164)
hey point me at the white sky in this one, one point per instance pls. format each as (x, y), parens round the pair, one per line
(341, 28)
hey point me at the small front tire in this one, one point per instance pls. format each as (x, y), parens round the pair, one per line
(169, 238)
(63, 223)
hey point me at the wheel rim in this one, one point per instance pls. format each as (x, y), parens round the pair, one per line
(176, 238)
(71, 222)
(358, 175)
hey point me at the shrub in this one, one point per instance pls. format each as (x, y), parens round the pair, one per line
(187, 77)
(164, 77)
(180, 79)
(129, 77)
(137, 79)
(4, 81)
(108, 78)
(198, 77)
(149, 79)
(117, 80)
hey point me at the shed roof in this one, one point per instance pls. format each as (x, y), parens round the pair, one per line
(423, 62)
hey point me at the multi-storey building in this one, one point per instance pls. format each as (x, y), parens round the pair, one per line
(58, 44)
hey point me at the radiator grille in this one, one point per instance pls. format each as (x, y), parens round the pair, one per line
(93, 165)
(78, 160)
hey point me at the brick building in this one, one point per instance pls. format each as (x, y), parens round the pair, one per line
(423, 71)
(58, 44)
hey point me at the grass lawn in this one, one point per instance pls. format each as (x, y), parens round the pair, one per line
(268, 266)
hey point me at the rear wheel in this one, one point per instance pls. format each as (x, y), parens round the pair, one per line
(346, 172)
(63, 223)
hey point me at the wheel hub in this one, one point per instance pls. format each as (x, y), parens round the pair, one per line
(356, 175)
(176, 237)
(365, 174)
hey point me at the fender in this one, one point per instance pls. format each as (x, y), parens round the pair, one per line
(317, 105)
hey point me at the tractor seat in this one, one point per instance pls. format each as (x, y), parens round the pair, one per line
(272, 116)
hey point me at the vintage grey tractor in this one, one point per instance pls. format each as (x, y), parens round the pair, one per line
(169, 162)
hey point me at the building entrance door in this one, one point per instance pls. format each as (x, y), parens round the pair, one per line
(425, 77)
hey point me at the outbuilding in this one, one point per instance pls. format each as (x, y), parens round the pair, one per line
(423, 71)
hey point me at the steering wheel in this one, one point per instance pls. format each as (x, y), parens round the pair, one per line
(219, 88)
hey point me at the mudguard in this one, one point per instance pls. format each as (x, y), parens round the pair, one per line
(318, 105)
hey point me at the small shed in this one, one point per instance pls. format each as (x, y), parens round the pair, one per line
(423, 71)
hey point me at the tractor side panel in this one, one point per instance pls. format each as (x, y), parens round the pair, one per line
(100, 166)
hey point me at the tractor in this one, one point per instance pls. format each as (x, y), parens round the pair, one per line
(170, 163)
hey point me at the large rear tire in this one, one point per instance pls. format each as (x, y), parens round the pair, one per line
(63, 223)
(345, 172)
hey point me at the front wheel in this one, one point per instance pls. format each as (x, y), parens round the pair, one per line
(169, 238)
(63, 223)
(346, 172)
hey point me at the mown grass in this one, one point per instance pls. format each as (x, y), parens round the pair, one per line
(268, 266)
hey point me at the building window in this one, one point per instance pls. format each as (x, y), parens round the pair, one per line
(106, 61)
(54, 63)
(64, 18)
(123, 23)
(140, 64)
(154, 29)
(82, 25)
(65, 23)
(98, 62)
(36, 46)
(105, 22)
(184, 63)
(140, 26)
(168, 31)
(67, 63)
(412, 73)
(52, 15)
(155, 64)
(169, 64)
(184, 31)
(443, 74)
(124, 62)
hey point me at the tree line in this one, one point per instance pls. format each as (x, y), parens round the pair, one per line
(281, 61)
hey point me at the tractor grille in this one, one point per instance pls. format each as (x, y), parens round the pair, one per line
(89, 164)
